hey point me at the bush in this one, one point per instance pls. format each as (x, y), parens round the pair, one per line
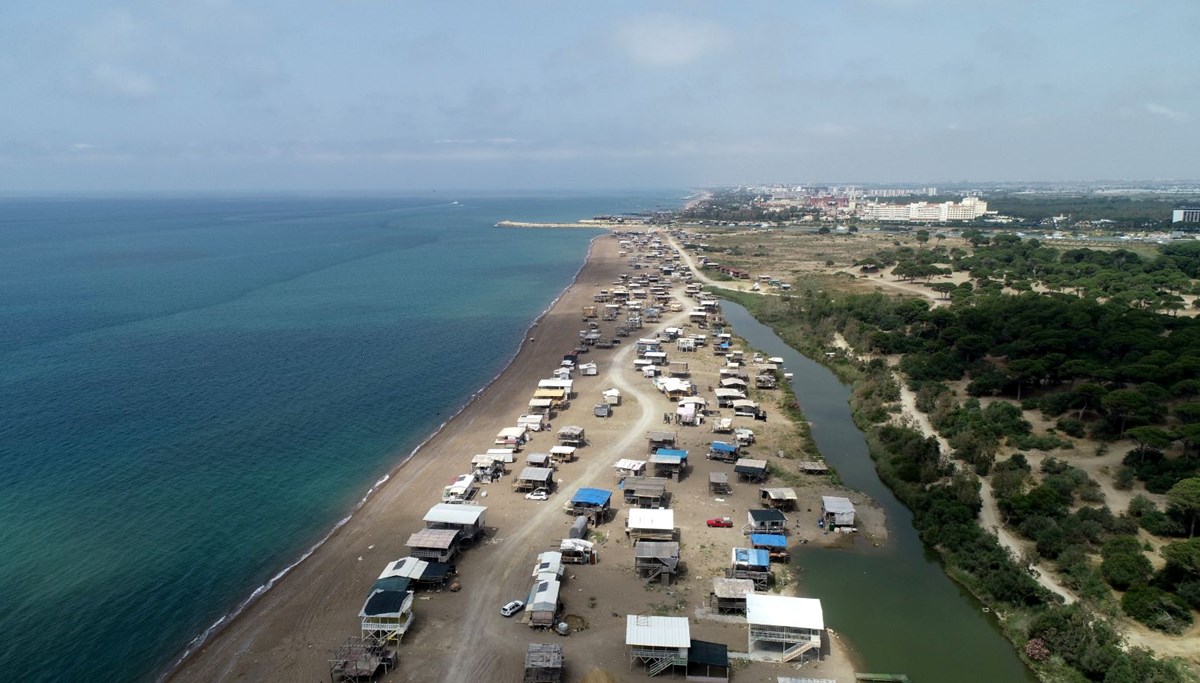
(1123, 563)
(1156, 608)
(1072, 427)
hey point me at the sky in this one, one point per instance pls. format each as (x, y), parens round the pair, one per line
(157, 95)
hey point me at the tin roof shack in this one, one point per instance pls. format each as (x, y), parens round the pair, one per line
(591, 503)
(543, 663)
(729, 595)
(656, 560)
(543, 604)
(487, 468)
(468, 520)
(577, 551)
(749, 469)
(387, 612)
(781, 498)
(539, 460)
(532, 478)
(541, 406)
(752, 564)
(726, 397)
(813, 467)
(725, 452)
(556, 397)
(660, 643)
(678, 368)
(571, 435)
(837, 512)
(718, 483)
(746, 408)
(708, 662)
(535, 421)
(421, 574)
(774, 544)
(669, 462)
(646, 492)
(650, 525)
(567, 385)
(562, 454)
(765, 522)
(360, 658)
(627, 467)
(783, 628)
(438, 545)
(659, 440)
(734, 382)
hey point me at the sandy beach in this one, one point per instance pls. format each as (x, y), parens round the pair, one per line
(291, 631)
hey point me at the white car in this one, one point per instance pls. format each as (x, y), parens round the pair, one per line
(512, 608)
(538, 494)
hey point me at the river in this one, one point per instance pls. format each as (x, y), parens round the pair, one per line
(894, 604)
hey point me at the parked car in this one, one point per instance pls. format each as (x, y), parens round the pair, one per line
(538, 494)
(723, 522)
(512, 607)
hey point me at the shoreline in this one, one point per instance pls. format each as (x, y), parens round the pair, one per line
(231, 617)
(290, 629)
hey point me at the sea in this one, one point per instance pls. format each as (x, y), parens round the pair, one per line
(194, 391)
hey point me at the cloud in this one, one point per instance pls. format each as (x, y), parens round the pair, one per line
(664, 41)
(111, 79)
(1166, 112)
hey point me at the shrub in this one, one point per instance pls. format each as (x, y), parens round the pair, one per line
(1072, 427)
(1156, 608)
(1123, 562)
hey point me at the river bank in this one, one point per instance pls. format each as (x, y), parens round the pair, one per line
(289, 632)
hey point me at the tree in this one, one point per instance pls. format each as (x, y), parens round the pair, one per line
(1124, 403)
(1185, 495)
(923, 236)
(1147, 438)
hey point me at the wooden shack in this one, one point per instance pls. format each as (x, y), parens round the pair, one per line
(646, 492)
(657, 440)
(543, 663)
(656, 560)
(718, 483)
(729, 595)
(778, 498)
(532, 478)
(571, 435)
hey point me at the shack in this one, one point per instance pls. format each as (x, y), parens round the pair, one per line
(765, 522)
(774, 544)
(421, 574)
(387, 612)
(780, 498)
(836, 512)
(532, 478)
(646, 492)
(813, 467)
(726, 397)
(548, 564)
(468, 520)
(542, 406)
(627, 467)
(650, 525)
(678, 369)
(612, 396)
(729, 595)
(736, 383)
(571, 435)
(543, 663)
(752, 565)
(567, 385)
(747, 408)
(749, 469)
(539, 460)
(784, 629)
(486, 468)
(591, 503)
(562, 454)
(658, 643)
(656, 560)
(669, 462)
(360, 658)
(718, 483)
(659, 440)
(535, 421)
(708, 662)
(460, 490)
(556, 396)
(511, 437)
(437, 545)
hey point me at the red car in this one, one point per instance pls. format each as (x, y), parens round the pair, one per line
(724, 522)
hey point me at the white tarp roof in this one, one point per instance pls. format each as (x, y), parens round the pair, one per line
(447, 513)
(648, 631)
(540, 403)
(726, 392)
(781, 610)
(611, 392)
(407, 567)
(483, 460)
(661, 520)
(504, 454)
(511, 432)
(630, 464)
(562, 450)
(780, 493)
(698, 400)
(556, 384)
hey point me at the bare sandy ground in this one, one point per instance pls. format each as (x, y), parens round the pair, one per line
(289, 634)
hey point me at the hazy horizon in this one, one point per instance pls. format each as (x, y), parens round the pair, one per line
(369, 96)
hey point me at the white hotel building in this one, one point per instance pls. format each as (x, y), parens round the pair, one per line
(969, 208)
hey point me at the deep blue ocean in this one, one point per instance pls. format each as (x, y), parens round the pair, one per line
(193, 391)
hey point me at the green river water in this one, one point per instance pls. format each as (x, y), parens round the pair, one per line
(894, 604)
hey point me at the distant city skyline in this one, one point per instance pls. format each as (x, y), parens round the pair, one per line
(368, 95)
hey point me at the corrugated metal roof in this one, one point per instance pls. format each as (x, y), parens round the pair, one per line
(656, 549)
(536, 474)
(447, 513)
(440, 539)
(409, 567)
(732, 588)
(781, 610)
(648, 631)
(780, 493)
(629, 464)
(836, 504)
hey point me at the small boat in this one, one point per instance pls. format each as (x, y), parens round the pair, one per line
(787, 375)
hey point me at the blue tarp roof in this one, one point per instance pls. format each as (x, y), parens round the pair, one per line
(671, 452)
(722, 447)
(752, 556)
(589, 496)
(768, 540)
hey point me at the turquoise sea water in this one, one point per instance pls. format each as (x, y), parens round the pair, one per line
(193, 391)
